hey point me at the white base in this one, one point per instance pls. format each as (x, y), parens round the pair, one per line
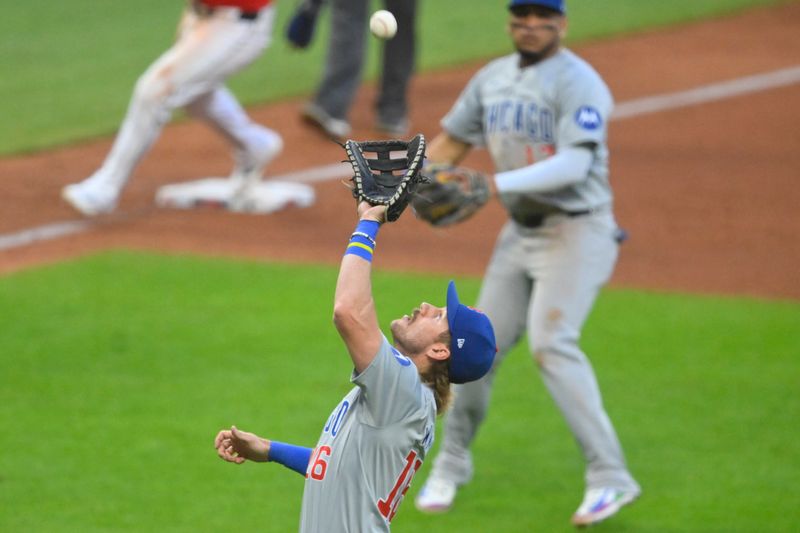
(263, 197)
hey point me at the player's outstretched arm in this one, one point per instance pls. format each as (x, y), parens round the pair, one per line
(237, 446)
(354, 308)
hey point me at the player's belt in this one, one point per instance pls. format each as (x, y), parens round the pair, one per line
(204, 10)
(537, 219)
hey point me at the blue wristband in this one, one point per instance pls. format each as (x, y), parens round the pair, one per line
(370, 227)
(362, 241)
(362, 250)
(290, 456)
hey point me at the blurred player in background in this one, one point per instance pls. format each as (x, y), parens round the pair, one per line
(216, 39)
(377, 437)
(542, 113)
(329, 108)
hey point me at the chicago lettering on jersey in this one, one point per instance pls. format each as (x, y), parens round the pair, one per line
(336, 419)
(519, 117)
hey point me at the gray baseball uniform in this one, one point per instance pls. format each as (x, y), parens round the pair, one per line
(370, 448)
(552, 257)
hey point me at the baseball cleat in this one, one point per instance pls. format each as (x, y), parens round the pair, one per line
(599, 504)
(250, 163)
(335, 128)
(89, 200)
(437, 496)
(397, 128)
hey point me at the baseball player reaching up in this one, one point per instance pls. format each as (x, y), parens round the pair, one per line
(542, 114)
(216, 39)
(378, 435)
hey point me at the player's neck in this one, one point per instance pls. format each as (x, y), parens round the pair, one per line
(528, 59)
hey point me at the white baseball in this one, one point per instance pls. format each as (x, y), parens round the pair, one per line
(382, 24)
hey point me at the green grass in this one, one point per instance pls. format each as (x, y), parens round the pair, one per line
(69, 67)
(117, 370)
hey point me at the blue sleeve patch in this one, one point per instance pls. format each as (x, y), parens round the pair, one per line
(588, 118)
(402, 359)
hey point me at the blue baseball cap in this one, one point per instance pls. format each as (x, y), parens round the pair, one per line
(472, 344)
(558, 5)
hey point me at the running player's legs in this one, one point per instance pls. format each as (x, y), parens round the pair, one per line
(208, 50)
(580, 258)
(225, 114)
(504, 298)
(219, 106)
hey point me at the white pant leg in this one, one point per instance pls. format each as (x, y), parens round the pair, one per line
(573, 260)
(207, 51)
(219, 106)
(226, 115)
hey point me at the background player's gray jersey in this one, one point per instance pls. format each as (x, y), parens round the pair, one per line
(370, 448)
(524, 115)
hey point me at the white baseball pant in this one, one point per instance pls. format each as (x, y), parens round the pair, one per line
(209, 49)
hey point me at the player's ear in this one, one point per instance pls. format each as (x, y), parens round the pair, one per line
(562, 27)
(438, 351)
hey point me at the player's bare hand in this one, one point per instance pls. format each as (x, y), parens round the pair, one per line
(367, 211)
(236, 446)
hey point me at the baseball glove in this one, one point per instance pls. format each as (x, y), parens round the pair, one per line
(384, 180)
(301, 25)
(452, 195)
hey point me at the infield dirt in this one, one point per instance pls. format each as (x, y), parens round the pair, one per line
(708, 193)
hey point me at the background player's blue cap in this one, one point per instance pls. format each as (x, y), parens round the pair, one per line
(558, 5)
(472, 346)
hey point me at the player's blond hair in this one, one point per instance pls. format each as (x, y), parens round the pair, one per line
(438, 378)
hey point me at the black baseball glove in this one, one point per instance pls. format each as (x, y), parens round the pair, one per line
(452, 195)
(301, 25)
(384, 180)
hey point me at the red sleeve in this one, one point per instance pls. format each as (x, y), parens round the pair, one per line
(244, 5)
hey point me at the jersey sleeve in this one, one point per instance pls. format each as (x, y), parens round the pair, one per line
(390, 387)
(464, 121)
(585, 108)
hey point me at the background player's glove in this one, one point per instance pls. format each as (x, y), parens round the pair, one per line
(385, 181)
(452, 195)
(300, 28)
